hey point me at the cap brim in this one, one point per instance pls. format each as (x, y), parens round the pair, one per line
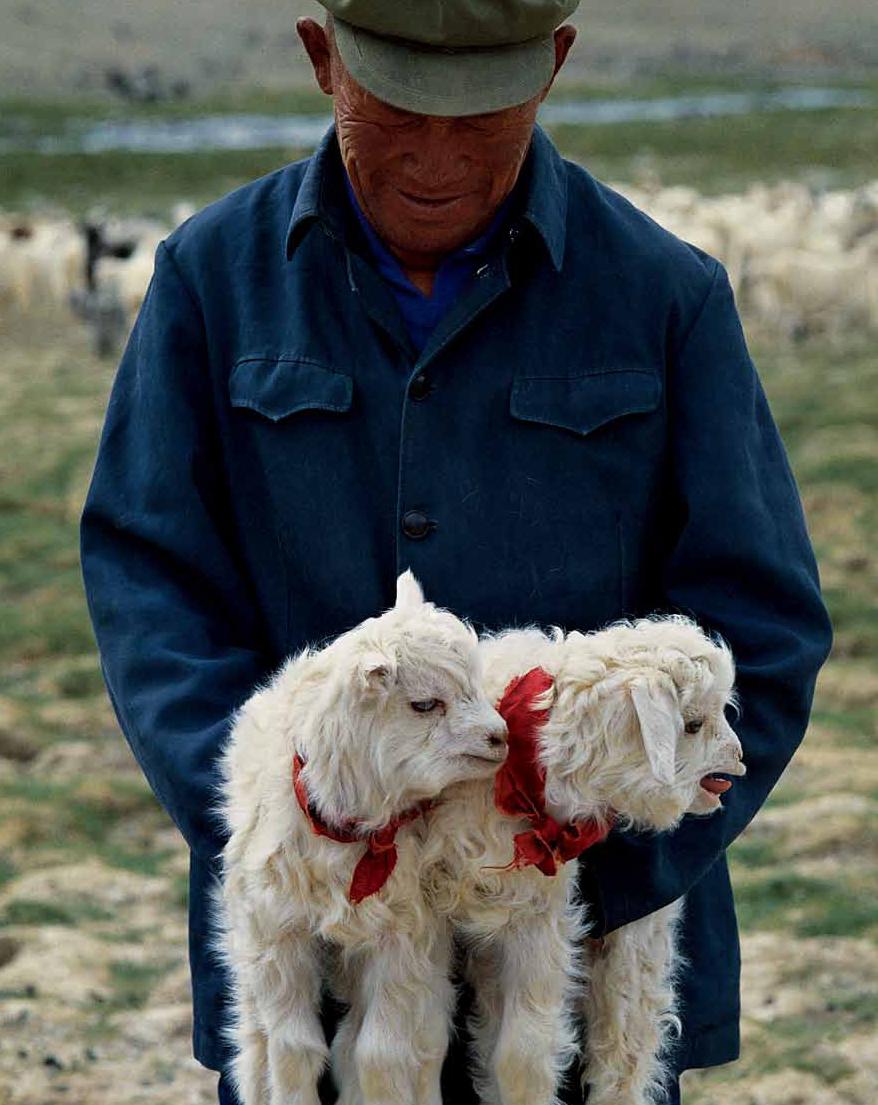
(440, 81)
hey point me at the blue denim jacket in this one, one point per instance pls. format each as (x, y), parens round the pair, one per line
(583, 436)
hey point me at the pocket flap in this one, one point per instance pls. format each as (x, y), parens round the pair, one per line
(583, 403)
(279, 386)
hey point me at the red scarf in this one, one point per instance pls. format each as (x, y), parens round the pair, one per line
(520, 785)
(378, 861)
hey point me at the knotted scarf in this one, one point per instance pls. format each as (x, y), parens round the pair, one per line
(376, 864)
(520, 784)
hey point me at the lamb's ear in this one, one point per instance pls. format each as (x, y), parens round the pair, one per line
(661, 724)
(408, 590)
(375, 672)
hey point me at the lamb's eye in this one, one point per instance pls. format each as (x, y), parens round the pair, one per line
(425, 705)
(695, 725)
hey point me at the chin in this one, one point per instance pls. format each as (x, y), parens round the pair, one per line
(470, 768)
(660, 814)
(704, 803)
(667, 819)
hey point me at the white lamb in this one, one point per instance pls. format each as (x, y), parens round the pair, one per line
(372, 727)
(626, 724)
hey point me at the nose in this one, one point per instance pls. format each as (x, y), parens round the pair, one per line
(738, 756)
(496, 738)
(437, 156)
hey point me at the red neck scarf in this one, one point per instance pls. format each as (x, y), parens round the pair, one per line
(520, 784)
(378, 861)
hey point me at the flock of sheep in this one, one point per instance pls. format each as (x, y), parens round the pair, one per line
(801, 262)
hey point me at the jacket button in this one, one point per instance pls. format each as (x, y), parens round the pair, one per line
(415, 523)
(420, 387)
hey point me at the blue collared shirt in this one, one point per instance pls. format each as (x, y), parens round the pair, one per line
(582, 437)
(421, 312)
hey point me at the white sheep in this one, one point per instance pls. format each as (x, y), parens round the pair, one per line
(799, 259)
(326, 772)
(625, 724)
(41, 260)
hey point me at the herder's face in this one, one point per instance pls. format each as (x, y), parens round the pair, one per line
(427, 183)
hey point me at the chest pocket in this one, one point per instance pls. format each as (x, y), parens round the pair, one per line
(277, 387)
(584, 403)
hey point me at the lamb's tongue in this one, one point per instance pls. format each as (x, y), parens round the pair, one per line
(715, 786)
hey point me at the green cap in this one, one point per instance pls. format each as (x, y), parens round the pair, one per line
(449, 57)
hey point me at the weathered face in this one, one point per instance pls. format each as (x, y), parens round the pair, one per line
(428, 184)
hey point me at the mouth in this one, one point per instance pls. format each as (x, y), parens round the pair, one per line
(430, 203)
(489, 759)
(714, 782)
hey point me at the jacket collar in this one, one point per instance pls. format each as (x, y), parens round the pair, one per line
(544, 185)
(545, 205)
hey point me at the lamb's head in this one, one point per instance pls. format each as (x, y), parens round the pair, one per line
(650, 719)
(410, 715)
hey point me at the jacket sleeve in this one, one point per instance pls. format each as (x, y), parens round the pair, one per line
(741, 564)
(176, 627)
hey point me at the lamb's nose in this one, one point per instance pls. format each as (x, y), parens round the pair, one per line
(497, 738)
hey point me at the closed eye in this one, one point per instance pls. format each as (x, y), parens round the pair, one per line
(425, 705)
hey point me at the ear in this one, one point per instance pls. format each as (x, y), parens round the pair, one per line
(408, 590)
(316, 43)
(661, 724)
(564, 37)
(375, 673)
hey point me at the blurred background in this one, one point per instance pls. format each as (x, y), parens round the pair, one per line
(750, 130)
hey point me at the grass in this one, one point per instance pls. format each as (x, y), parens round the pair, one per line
(21, 117)
(27, 911)
(133, 982)
(130, 182)
(826, 147)
(806, 907)
(79, 819)
(854, 726)
(8, 871)
(715, 155)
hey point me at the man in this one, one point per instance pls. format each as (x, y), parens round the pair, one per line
(437, 344)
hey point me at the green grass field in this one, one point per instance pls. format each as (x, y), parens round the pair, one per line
(832, 147)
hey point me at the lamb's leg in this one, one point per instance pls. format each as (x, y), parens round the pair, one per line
(629, 1011)
(403, 1037)
(284, 979)
(344, 1067)
(249, 1067)
(536, 1038)
(433, 1038)
(235, 941)
(483, 974)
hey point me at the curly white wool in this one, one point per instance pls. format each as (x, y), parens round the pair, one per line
(281, 911)
(613, 741)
